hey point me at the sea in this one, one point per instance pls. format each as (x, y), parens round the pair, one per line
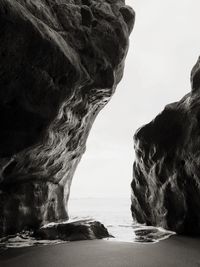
(114, 213)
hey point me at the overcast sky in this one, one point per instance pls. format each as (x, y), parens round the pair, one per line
(164, 46)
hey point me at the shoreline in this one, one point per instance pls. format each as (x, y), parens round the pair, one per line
(174, 252)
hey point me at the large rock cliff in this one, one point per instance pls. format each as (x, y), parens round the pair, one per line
(60, 62)
(166, 173)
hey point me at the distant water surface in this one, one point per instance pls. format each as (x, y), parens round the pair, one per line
(115, 214)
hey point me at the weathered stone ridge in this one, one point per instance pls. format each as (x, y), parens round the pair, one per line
(60, 62)
(166, 176)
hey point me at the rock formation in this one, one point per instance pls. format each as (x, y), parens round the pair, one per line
(166, 173)
(73, 231)
(60, 62)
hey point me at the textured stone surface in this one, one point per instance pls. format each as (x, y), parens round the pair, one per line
(166, 173)
(60, 62)
(73, 231)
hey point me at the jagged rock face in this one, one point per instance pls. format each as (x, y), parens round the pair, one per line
(166, 172)
(60, 62)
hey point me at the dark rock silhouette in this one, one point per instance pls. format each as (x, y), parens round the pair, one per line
(73, 231)
(60, 62)
(166, 172)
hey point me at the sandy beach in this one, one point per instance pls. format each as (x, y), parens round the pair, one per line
(175, 251)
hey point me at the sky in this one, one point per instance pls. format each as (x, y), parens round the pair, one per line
(164, 46)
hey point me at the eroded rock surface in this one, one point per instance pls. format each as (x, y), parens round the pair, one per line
(60, 62)
(166, 173)
(73, 231)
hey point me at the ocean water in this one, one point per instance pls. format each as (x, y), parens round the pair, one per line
(114, 213)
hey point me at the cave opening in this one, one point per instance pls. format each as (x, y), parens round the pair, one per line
(101, 186)
(156, 73)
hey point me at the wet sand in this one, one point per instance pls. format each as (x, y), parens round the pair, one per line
(175, 251)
